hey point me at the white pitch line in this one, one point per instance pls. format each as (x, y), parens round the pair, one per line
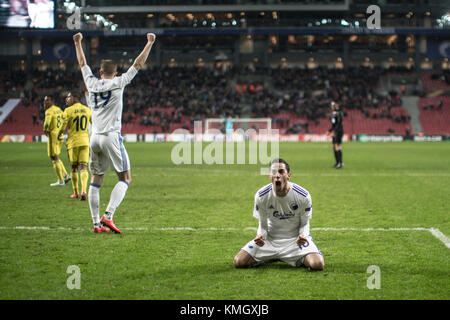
(372, 229)
(299, 174)
(434, 231)
(438, 234)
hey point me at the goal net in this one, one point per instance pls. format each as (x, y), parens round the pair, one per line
(214, 124)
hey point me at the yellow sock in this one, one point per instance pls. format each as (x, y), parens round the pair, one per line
(84, 176)
(63, 169)
(57, 169)
(74, 176)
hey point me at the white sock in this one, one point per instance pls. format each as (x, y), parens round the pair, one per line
(94, 203)
(117, 195)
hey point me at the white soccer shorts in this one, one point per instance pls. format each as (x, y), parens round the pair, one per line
(285, 250)
(107, 150)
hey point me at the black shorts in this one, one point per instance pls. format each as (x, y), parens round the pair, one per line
(337, 137)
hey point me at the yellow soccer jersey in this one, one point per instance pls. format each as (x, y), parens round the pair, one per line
(77, 117)
(53, 119)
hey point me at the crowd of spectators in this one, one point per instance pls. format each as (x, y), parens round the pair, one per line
(179, 96)
(307, 93)
(160, 97)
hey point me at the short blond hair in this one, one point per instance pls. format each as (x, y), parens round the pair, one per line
(108, 67)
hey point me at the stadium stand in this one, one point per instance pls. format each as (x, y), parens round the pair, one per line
(23, 120)
(434, 81)
(273, 59)
(435, 115)
(296, 100)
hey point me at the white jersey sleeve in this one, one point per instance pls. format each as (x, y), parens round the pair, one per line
(88, 77)
(260, 211)
(305, 216)
(126, 78)
(261, 215)
(256, 207)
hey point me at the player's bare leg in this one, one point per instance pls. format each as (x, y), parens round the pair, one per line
(244, 260)
(314, 261)
(97, 180)
(124, 176)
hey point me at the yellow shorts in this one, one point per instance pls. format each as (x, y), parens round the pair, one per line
(79, 155)
(53, 145)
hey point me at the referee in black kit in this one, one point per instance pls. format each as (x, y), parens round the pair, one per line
(337, 117)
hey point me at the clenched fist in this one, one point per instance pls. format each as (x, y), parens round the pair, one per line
(78, 37)
(151, 37)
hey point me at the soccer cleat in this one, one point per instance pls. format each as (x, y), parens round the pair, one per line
(75, 196)
(110, 224)
(83, 196)
(67, 178)
(339, 166)
(334, 167)
(58, 184)
(102, 229)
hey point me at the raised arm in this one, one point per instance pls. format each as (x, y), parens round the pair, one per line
(142, 57)
(79, 49)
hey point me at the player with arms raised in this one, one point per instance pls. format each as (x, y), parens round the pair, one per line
(106, 145)
(284, 210)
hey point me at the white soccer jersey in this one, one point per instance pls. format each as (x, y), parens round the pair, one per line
(106, 99)
(283, 217)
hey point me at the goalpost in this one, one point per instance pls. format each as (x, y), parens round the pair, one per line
(239, 123)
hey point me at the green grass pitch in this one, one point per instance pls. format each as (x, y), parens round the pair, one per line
(369, 213)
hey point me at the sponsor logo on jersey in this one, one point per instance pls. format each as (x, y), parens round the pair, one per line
(282, 215)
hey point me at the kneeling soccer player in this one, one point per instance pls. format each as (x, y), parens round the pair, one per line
(284, 210)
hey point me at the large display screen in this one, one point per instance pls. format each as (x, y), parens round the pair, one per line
(39, 14)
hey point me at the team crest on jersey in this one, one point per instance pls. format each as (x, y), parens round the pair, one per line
(293, 206)
(282, 215)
